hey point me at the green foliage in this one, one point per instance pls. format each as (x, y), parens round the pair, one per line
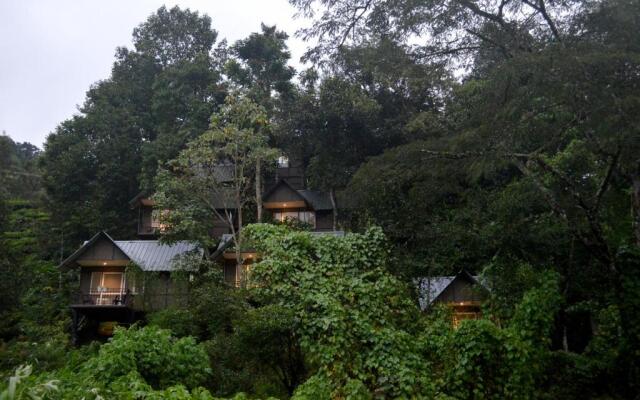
(45, 347)
(159, 96)
(480, 360)
(19, 174)
(529, 160)
(137, 363)
(195, 186)
(16, 388)
(270, 332)
(260, 65)
(354, 319)
(180, 322)
(356, 324)
(157, 357)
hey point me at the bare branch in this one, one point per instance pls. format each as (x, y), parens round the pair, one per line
(542, 9)
(354, 20)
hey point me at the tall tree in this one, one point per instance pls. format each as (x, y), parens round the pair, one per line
(192, 186)
(260, 67)
(160, 95)
(454, 30)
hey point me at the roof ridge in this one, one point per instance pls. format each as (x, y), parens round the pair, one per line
(154, 241)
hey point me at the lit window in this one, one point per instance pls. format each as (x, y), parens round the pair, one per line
(283, 162)
(155, 220)
(308, 217)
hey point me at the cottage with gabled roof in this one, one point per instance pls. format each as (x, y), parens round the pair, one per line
(108, 290)
(283, 201)
(462, 292)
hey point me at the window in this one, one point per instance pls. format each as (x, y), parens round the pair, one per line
(308, 217)
(462, 312)
(283, 162)
(105, 287)
(155, 219)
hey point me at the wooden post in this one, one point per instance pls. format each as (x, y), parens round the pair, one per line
(74, 327)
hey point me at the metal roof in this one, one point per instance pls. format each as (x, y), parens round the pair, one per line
(429, 288)
(151, 255)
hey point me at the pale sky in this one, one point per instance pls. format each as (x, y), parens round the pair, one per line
(51, 51)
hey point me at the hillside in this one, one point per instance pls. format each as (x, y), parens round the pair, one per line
(498, 138)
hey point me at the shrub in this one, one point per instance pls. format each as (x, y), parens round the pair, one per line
(160, 359)
(179, 321)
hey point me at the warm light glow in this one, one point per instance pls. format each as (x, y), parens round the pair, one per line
(104, 263)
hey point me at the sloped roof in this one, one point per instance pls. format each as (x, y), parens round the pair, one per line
(318, 200)
(133, 203)
(429, 288)
(224, 198)
(149, 255)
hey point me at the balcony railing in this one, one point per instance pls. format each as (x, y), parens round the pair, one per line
(105, 297)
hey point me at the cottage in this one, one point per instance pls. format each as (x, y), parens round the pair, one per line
(286, 200)
(462, 292)
(289, 199)
(109, 289)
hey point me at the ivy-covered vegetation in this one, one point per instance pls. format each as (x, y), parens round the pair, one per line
(498, 136)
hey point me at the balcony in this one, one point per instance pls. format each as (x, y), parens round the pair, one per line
(104, 296)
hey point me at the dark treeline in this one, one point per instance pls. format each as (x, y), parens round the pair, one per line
(501, 136)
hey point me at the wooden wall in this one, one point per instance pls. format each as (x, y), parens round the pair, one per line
(102, 249)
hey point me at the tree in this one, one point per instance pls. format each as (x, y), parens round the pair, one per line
(19, 174)
(159, 96)
(332, 129)
(354, 320)
(175, 35)
(210, 180)
(364, 337)
(260, 67)
(457, 30)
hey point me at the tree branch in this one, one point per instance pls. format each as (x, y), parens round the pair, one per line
(598, 246)
(542, 9)
(354, 20)
(604, 185)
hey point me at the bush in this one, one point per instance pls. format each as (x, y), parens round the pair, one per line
(49, 351)
(159, 359)
(179, 321)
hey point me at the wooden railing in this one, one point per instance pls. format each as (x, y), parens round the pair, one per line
(138, 301)
(106, 297)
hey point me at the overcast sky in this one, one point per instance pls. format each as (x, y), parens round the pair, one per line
(52, 51)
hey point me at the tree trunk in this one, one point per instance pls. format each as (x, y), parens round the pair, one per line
(635, 202)
(237, 234)
(332, 195)
(259, 189)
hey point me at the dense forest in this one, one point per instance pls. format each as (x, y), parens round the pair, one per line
(498, 136)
